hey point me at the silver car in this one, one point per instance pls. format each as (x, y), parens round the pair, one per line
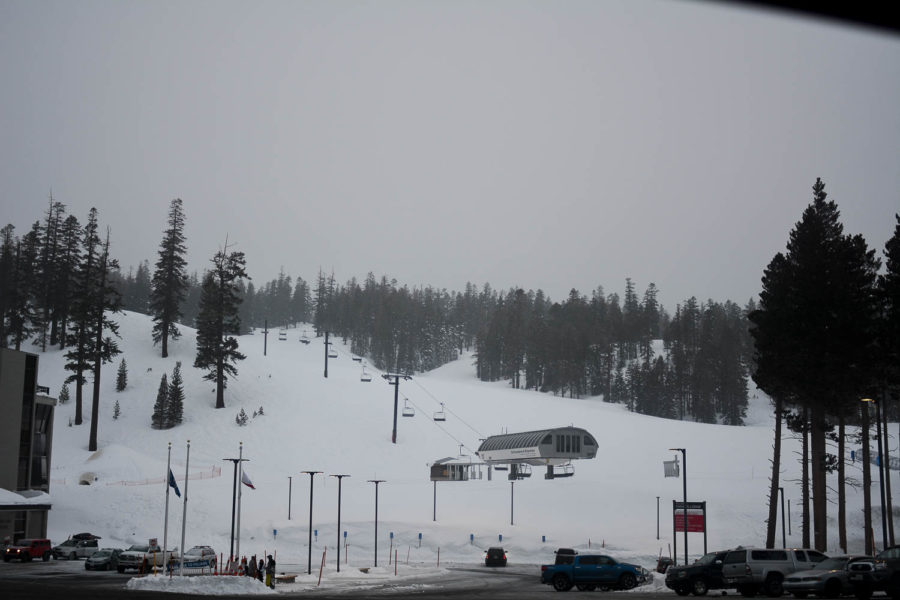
(828, 579)
(74, 548)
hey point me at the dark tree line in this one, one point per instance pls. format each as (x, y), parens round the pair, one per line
(825, 336)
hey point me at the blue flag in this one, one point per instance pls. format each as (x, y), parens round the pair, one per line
(173, 484)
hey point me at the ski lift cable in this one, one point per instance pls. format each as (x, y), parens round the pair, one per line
(458, 418)
(441, 427)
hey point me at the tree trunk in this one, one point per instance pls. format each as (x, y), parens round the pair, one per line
(820, 506)
(773, 488)
(888, 502)
(804, 480)
(867, 482)
(165, 338)
(842, 493)
(98, 349)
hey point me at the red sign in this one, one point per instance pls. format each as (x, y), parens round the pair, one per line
(695, 522)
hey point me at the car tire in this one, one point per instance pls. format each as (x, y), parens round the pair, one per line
(774, 586)
(699, 587)
(561, 583)
(832, 589)
(627, 581)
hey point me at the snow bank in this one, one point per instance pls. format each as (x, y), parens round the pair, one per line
(206, 586)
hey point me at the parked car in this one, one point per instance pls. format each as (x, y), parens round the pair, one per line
(77, 547)
(495, 557)
(27, 550)
(753, 569)
(883, 575)
(829, 578)
(199, 557)
(698, 578)
(590, 571)
(143, 557)
(103, 560)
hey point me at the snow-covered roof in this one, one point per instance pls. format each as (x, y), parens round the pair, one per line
(24, 497)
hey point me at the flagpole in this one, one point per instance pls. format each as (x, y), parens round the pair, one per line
(187, 464)
(166, 525)
(240, 491)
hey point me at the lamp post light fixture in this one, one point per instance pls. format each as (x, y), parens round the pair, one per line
(376, 482)
(684, 503)
(340, 479)
(311, 474)
(880, 465)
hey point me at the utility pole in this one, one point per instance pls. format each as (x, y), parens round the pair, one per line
(376, 482)
(265, 336)
(311, 474)
(684, 503)
(327, 345)
(340, 479)
(396, 383)
(289, 497)
(234, 485)
(783, 538)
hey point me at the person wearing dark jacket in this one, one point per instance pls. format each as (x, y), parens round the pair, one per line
(270, 572)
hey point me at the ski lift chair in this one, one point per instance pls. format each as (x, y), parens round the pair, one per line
(408, 411)
(366, 376)
(356, 358)
(332, 353)
(282, 335)
(439, 415)
(303, 338)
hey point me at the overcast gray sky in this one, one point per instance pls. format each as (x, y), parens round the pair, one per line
(537, 144)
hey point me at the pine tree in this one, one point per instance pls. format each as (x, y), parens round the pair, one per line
(64, 394)
(260, 413)
(241, 418)
(217, 352)
(170, 283)
(117, 410)
(175, 398)
(106, 299)
(122, 377)
(158, 419)
(7, 277)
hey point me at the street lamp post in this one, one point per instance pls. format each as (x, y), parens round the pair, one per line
(289, 497)
(234, 485)
(684, 503)
(340, 479)
(376, 482)
(880, 465)
(311, 474)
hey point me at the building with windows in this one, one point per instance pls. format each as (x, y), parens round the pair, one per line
(26, 433)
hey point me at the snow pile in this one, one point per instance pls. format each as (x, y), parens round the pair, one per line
(340, 425)
(207, 586)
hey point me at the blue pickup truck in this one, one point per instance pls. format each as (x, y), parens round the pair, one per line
(589, 571)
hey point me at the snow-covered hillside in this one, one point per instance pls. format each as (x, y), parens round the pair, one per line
(342, 425)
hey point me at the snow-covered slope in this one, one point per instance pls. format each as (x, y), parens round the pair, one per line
(341, 425)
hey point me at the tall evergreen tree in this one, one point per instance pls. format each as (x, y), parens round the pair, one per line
(217, 351)
(80, 342)
(175, 398)
(158, 419)
(66, 281)
(105, 299)
(170, 283)
(7, 278)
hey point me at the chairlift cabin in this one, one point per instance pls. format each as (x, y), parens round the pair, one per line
(546, 447)
(282, 335)
(408, 411)
(303, 338)
(439, 415)
(356, 358)
(332, 353)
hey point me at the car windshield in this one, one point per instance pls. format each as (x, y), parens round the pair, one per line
(832, 563)
(139, 548)
(706, 559)
(101, 554)
(68, 543)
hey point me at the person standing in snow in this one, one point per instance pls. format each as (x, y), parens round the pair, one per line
(251, 567)
(270, 572)
(260, 569)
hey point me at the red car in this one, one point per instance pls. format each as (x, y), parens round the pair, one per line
(28, 549)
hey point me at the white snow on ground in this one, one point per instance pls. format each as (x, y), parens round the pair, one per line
(341, 425)
(208, 586)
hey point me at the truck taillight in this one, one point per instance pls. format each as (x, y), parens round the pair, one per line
(543, 568)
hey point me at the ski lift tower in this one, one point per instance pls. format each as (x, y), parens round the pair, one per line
(396, 377)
